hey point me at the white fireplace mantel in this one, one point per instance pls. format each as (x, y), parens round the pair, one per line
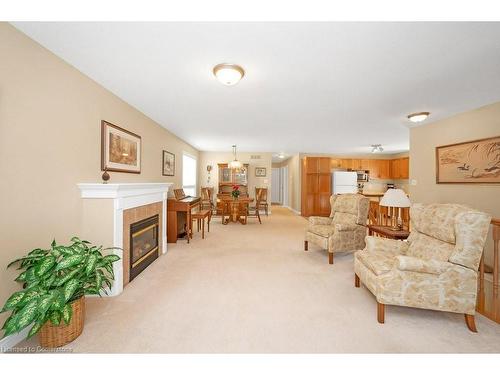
(125, 196)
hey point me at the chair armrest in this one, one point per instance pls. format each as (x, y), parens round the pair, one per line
(320, 220)
(387, 245)
(345, 227)
(436, 267)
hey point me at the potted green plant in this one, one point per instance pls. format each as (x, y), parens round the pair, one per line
(55, 282)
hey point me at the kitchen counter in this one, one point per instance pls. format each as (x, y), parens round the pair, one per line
(373, 194)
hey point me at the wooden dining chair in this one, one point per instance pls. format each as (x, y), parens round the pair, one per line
(263, 201)
(207, 202)
(254, 211)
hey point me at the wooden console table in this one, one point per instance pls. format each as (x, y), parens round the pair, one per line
(387, 232)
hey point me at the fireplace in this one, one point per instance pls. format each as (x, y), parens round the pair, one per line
(143, 244)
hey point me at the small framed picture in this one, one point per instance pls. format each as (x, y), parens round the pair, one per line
(120, 149)
(260, 172)
(168, 164)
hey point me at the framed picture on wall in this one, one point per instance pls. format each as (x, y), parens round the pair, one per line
(120, 149)
(168, 164)
(260, 172)
(469, 162)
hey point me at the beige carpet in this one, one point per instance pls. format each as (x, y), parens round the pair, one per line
(253, 289)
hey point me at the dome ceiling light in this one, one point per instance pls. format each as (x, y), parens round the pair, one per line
(228, 74)
(418, 117)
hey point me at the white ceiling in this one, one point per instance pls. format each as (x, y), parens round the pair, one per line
(309, 87)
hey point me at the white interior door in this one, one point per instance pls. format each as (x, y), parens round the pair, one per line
(275, 185)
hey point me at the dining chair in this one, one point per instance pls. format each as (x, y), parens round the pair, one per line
(263, 201)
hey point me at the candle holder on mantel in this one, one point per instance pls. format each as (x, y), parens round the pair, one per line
(105, 176)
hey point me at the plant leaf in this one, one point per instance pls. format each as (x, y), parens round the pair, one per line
(70, 261)
(91, 263)
(69, 289)
(68, 276)
(13, 301)
(67, 312)
(55, 318)
(58, 299)
(111, 258)
(45, 303)
(27, 314)
(45, 264)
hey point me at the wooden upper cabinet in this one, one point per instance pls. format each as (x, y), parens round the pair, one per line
(374, 168)
(364, 164)
(324, 165)
(335, 163)
(384, 170)
(346, 163)
(396, 168)
(311, 165)
(405, 168)
(356, 164)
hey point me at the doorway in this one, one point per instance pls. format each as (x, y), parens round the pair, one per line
(279, 186)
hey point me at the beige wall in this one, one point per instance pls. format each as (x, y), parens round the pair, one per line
(50, 118)
(213, 158)
(480, 123)
(293, 164)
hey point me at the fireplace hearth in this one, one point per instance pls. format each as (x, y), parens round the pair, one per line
(143, 244)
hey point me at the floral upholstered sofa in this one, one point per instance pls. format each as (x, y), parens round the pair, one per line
(345, 229)
(437, 268)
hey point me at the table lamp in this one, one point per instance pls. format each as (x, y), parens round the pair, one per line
(395, 198)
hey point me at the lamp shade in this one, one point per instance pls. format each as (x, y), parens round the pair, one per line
(395, 198)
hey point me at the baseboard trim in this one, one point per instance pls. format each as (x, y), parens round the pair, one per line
(291, 209)
(10, 341)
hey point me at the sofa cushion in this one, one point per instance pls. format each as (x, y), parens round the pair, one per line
(437, 220)
(376, 261)
(322, 230)
(426, 247)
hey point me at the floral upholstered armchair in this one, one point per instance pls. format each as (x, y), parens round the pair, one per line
(437, 268)
(344, 230)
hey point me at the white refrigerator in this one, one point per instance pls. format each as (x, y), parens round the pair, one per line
(344, 182)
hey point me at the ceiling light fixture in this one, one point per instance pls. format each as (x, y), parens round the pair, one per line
(281, 156)
(228, 74)
(418, 117)
(235, 164)
(377, 148)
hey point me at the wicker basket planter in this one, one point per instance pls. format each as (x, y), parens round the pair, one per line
(51, 336)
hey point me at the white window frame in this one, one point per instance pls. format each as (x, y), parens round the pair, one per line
(195, 186)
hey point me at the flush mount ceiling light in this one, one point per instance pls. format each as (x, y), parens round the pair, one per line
(377, 148)
(228, 74)
(235, 164)
(418, 117)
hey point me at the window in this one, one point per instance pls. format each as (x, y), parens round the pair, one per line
(189, 174)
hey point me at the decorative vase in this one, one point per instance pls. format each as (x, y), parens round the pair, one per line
(52, 336)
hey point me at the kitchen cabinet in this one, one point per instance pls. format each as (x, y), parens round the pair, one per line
(400, 168)
(316, 186)
(335, 163)
(346, 163)
(380, 169)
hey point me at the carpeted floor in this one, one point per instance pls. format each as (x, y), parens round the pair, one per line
(253, 289)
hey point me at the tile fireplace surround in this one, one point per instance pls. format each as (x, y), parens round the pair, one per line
(126, 196)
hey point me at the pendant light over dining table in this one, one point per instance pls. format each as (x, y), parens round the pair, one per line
(235, 164)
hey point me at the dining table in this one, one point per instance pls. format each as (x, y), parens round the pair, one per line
(234, 210)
